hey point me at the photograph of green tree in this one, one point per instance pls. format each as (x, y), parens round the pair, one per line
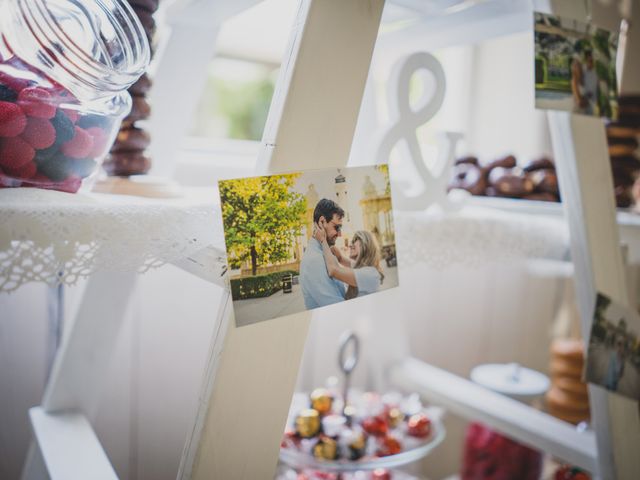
(299, 241)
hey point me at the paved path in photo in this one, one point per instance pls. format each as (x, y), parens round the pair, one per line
(277, 305)
(280, 304)
(554, 101)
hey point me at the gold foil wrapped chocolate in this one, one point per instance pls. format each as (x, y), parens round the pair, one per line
(358, 446)
(308, 423)
(321, 400)
(326, 449)
(394, 417)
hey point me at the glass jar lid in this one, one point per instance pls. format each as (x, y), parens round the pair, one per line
(95, 48)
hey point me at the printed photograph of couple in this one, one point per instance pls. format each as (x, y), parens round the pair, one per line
(575, 67)
(613, 358)
(301, 241)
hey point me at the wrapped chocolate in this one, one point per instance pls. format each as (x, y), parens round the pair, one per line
(308, 423)
(539, 164)
(376, 426)
(326, 448)
(353, 443)
(394, 417)
(509, 182)
(467, 161)
(469, 177)
(419, 426)
(321, 400)
(388, 445)
(381, 474)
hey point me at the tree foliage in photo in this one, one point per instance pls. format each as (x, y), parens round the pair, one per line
(262, 216)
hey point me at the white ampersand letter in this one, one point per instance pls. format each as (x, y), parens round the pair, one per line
(404, 121)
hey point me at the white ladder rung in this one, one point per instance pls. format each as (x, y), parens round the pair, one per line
(515, 419)
(69, 446)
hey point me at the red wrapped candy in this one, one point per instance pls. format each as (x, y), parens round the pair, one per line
(389, 445)
(381, 474)
(419, 425)
(376, 426)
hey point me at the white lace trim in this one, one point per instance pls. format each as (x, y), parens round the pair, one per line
(54, 237)
(476, 236)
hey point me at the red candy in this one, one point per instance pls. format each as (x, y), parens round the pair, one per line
(375, 426)
(13, 82)
(26, 171)
(37, 102)
(12, 120)
(70, 184)
(99, 141)
(39, 133)
(79, 146)
(389, 446)
(381, 474)
(419, 425)
(38, 116)
(71, 114)
(15, 153)
(566, 472)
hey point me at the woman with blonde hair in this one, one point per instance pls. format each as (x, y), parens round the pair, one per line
(362, 271)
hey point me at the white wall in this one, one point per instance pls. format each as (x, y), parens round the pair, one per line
(23, 360)
(502, 111)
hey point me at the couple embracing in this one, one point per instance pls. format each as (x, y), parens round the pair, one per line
(326, 276)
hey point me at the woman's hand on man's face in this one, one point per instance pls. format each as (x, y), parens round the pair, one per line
(318, 231)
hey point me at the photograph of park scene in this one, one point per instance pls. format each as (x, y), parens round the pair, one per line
(305, 240)
(613, 359)
(575, 67)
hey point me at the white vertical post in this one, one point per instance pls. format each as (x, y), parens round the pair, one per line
(310, 125)
(181, 72)
(84, 355)
(582, 160)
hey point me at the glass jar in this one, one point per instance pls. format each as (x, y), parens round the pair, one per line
(65, 66)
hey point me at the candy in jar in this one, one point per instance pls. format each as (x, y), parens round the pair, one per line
(62, 94)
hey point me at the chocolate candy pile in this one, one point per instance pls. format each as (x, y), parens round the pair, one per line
(371, 426)
(622, 136)
(44, 141)
(127, 157)
(502, 178)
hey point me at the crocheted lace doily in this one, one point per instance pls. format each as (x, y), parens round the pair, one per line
(477, 236)
(55, 237)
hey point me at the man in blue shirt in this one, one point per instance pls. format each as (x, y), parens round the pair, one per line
(318, 289)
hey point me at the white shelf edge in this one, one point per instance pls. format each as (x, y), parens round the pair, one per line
(517, 420)
(624, 216)
(69, 446)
